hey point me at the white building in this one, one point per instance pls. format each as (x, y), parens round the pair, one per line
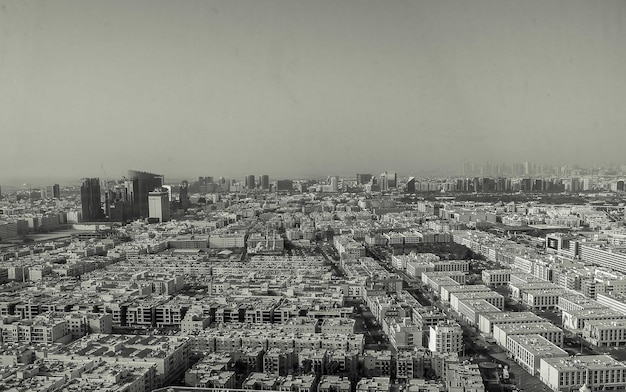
(471, 309)
(493, 298)
(545, 329)
(446, 338)
(605, 332)
(486, 322)
(446, 291)
(575, 320)
(496, 277)
(159, 205)
(527, 351)
(597, 372)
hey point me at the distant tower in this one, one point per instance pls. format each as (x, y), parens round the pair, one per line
(250, 183)
(384, 184)
(183, 195)
(265, 182)
(392, 180)
(168, 188)
(118, 203)
(334, 183)
(159, 205)
(410, 185)
(56, 191)
(90, 200)
(362, 179)
(142, 184)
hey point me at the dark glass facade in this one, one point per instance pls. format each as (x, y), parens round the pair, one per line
(143, 183)
(90, 200)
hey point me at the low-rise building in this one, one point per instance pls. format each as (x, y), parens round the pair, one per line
(605, 332)
(492, 297)
(446, 338)
(446, 291)
(597, 372)
(545, 329)
(575, 320)
(334, 384)
(542, 299)
(486, 322)
(495, 278)
(471, 309)
(373, 384)
(527, 351)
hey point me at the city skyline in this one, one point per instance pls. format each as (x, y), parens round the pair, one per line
(467, 170)
(307, 89)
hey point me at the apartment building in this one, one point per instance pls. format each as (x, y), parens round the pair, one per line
(486, 322)
(446, 338)
(445, 291)
(605, 332)
(471, 309)
(597, 372)
(528, 350)
(545, 329)
(492, 297)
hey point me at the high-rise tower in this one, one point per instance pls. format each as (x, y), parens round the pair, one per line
(410, 185)
(362, 179)
(384, 183)
(334, 183)
(142, 184)
(265, 182)
(90, 200)
(250, 182)
(183, 195)
(159, 205)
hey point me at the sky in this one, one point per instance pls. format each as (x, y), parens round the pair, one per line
(303, 88)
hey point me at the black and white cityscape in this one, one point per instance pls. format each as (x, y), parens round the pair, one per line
(312, 196)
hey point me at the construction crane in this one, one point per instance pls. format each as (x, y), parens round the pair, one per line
(106, 177)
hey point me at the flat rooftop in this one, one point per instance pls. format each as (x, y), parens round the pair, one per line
(512, 316)
(607, 324)
(480, 305)
(538, 345)
(595, 313)
(594, 362)
(528, 328)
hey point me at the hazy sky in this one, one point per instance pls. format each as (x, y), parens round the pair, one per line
(189, 88)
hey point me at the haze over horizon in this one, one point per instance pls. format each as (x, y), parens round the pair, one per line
(301, 88)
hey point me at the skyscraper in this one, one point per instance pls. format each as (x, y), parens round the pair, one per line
(159, 205)
(143, 183)
(183, 195)
(250, 182)
(118, 203)
(90, 200)
(205, 184)
(284, 185)
(265, 182)
(56, 191)
(410, 185)
(384, 184)
(334, 183)
(392, 180)
(362, 179)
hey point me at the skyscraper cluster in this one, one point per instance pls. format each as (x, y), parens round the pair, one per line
(263, 182)
(124, 201)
